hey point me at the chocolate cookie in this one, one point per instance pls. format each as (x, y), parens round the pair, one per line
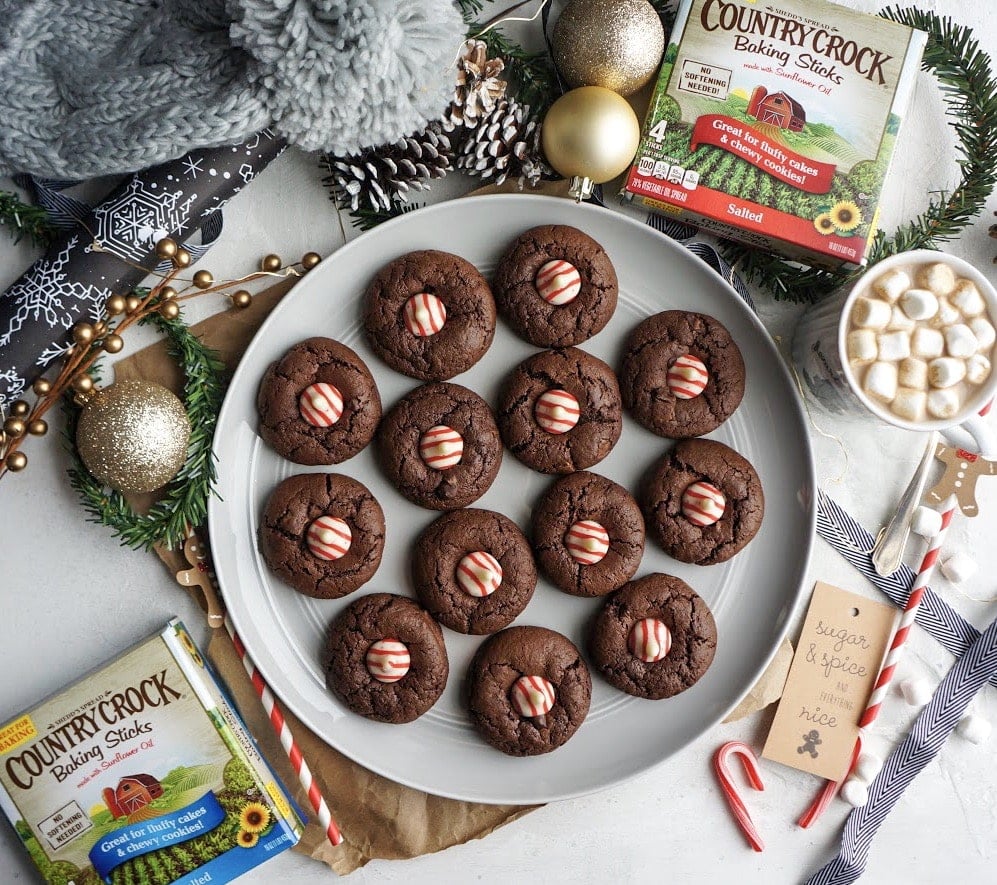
(473, 570)
(682, 374)
(430, 315)
(529, 690)
(703, 502)
(440, 447)
(560, 411)
(385, 657)
(654, 637)
(556, 286)
(318, 403)
(322, 533)
(588, 534)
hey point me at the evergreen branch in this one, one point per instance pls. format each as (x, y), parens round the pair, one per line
(469, 9)
(366, 218)
(25, 220)
(532, 78)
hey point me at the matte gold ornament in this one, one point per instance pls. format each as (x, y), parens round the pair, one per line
(14, 427)
(169, 310)
(113, 343)
(132, 303)
(114, 305)
(19, 408)
(310, 259)
(181, 258)
(590, 135)
(167, 292)
(241, 299)
(38, 427)
(17, 461)
(271, 263)
(82, 333)
(166, 248)
(617, 44)
(83, 383)
(42, 386)
(203, 279)
(133, 436)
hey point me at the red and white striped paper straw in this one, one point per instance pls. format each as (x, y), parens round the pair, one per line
(283, 732)
(720, 765)
(893, 656)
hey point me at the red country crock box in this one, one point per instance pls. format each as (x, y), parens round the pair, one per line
(774, 123)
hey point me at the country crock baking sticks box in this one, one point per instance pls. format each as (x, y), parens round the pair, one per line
(773, 122)
(142, 773)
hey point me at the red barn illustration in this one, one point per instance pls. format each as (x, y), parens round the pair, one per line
(777, 108)
(132, 793)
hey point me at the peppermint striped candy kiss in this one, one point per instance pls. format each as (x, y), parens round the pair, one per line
(557, 411)
(388, 660)
(687, 377)
(321, 404)
(329, 538)
(424, 315)
(532, 696)
(703, 504)
(441, 447)
(587, 542)
(649, 640)
(479, 574)
(558, 282)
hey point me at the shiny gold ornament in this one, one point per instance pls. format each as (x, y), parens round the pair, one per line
(271, 263)
(17, 461)
(133, 436)
(310, 259)
(38, 427)
(169, 309)
(14, 427)
(182, 258)
(114, 305)
(42, 386)
(83, 333)
(617, 44)
(166, 248)
(203, 279)
(113, 343)
(83, 383)
(19, 408)
(132, 303)
(590, 135)
(241, 299)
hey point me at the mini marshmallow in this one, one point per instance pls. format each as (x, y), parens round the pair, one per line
(860, 344)
(968, 298)
(959, 567)
(854, 792)
(913, 373)
(881, 381)
(938, 277)
(984, 332)
(916, 692)
(977, 369)
(871, 313)
(891, 285)
(946, 371)
(943, 403)
(974, 728)
(960, 341)
(947, 315)
(893, 346)
(927, 343)
(926, 522)
(919, 304)
(909, 403)
(899, 321)
(868, 766)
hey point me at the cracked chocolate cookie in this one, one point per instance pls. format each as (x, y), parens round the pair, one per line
(474, 571)
(682, 374)
(654, 638)
(556, 286)
(322, 533)
(430, 315)
(440, 447)
(703, 502)
(318, 404)
(385, 657)
(560, 411)
(588, 534)
(529, 690)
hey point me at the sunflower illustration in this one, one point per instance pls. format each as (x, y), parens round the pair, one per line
(254, 817)
(824, 223)
(245, 839)
(846, 215)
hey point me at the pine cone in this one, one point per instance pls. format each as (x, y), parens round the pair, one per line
(377, 176)
(505, 143)
(478, 87)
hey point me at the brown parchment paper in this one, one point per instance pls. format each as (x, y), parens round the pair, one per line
(378, 818)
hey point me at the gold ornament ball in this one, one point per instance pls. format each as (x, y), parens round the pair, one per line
(241, 299)
(617, 44)
(83, 333)
(271, 263)
(167, 292)
(133, 436)
(115, 304)
(203, 279)
(166, 248)
(14, 427)
(83, 384)
(169, 310)
(99, 328)
(42, 387)
(310, 259)
(182, 258)
(38, 427)
(113, 343)
(17, 461)
(590, 133)
(132, 302)
(19, 408)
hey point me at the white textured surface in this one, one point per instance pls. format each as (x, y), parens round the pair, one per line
(73, 598)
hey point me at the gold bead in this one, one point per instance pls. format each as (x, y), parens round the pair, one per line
(42, 386)
(241, 299)
(99, 328)
(310, 259)
(182, 258)
(169, 310)
(132, 302)
(114, 305)
(167, 292)
(166, 248)
(271, 263)
(113, 343)
(19, 408)
(203, 279)
(13, 427)
(17, 461)
(83, 383)
(38, 427)
(83, 333)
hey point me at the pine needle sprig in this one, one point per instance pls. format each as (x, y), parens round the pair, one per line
(25, 220)
(366, 218)
(532, 77)
(470, 9)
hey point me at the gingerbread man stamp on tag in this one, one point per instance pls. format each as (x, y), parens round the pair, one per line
(962, 470)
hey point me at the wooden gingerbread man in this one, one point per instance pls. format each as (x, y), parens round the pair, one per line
(202, 575)
(962, 470)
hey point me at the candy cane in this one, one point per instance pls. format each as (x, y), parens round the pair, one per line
(721, 767)
(889, 667)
